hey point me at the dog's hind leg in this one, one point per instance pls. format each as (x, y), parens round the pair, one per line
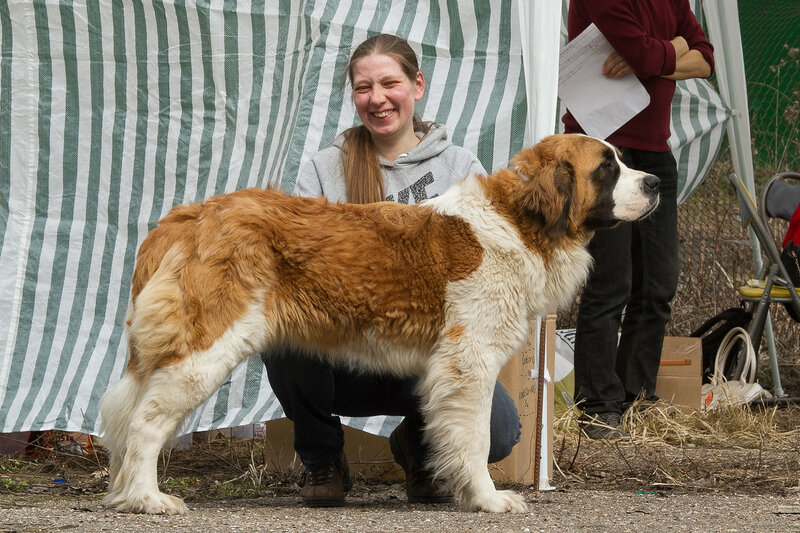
(456, 390)
(167, 396)
(116, 409)
(166, 399)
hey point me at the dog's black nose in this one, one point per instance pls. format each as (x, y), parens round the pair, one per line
(652, 182)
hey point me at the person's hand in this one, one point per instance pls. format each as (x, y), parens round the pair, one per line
(680, 45)
(615, 66)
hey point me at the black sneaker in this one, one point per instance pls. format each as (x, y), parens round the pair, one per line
(603, 426)
(326, 486)
(420, 487)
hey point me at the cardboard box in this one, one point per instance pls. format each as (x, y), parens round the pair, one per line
(11, 443)
(369, 455)
(680, 374)
(519, 376)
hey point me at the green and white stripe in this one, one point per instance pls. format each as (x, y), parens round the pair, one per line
(698, 126)
(112, 111)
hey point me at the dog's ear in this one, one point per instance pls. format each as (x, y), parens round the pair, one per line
(557, 214)
(547, 193)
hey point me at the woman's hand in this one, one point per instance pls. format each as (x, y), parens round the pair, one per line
(680, 45)
(616, 67)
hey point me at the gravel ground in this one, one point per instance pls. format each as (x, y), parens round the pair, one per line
(383, 508)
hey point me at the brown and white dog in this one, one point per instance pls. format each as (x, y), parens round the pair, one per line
(444, 290)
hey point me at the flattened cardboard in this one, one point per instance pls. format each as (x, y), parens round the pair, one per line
(680, 375)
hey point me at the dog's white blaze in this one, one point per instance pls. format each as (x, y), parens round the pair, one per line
(630, 199)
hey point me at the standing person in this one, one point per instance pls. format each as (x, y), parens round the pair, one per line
(635, 265)
(392, 156)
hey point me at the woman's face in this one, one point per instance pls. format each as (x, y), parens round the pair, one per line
(384, 97)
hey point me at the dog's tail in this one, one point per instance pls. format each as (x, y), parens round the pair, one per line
(155, 325)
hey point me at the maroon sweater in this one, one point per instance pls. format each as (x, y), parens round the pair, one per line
(641, 31)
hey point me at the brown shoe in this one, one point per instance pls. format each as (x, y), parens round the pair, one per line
(326, 486)
(420, 487)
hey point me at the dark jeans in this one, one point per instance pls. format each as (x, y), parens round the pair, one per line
(310, 391)
(635, 269)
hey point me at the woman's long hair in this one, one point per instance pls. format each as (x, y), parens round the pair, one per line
(359, 156)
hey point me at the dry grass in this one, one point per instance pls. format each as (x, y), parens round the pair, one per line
(662, 424)
(738, 449)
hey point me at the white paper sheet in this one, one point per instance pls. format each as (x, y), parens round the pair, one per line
(600, 105)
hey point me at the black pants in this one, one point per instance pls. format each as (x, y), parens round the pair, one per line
(311, 391)
(635, 270)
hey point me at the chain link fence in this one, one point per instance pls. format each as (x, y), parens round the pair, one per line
(771, 46)
(715, 252)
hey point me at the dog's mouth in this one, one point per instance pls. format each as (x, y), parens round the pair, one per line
(652, 207)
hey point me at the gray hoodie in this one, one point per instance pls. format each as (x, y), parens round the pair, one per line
(428, 170)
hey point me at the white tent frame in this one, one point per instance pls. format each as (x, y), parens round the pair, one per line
(540, 23)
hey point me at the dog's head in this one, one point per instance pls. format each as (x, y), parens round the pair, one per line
(575, 184)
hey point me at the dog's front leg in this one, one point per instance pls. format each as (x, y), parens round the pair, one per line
(456, 391)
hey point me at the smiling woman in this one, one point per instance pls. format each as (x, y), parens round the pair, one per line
(384, 97)
(386, 82)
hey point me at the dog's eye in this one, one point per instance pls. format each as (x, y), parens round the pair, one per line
(607, 165)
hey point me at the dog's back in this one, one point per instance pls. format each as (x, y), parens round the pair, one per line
(197, 272)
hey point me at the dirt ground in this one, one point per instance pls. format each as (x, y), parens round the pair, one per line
(383, 508)
(649, 484)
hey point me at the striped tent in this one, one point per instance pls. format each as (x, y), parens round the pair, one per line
(112, 111)
(699, 117)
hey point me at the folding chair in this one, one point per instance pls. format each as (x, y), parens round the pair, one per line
(772, 285)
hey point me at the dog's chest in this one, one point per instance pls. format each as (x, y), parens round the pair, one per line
(565, 275)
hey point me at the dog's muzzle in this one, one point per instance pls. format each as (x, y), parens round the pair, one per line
(650, 188)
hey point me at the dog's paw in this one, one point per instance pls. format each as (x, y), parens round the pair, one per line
(503, 501)
(149, 503)
(167, 504)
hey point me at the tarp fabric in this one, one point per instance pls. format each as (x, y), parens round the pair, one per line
(112, 112)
